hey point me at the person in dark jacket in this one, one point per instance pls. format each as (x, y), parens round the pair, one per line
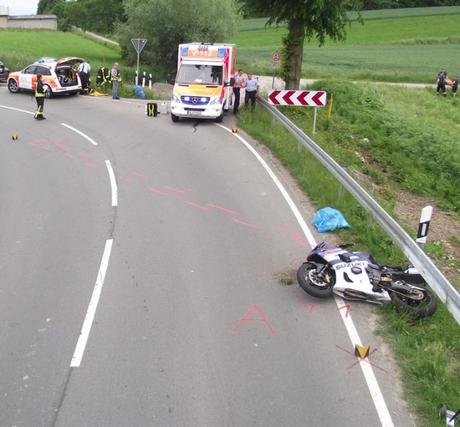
(40, 92)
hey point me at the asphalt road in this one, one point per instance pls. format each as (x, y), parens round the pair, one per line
(174, 267)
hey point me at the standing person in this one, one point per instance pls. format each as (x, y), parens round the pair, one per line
(40, 98)
(252, 87)
(441, 82)
(455, 86)
(116, 78)
(237, 85)
(84, 70)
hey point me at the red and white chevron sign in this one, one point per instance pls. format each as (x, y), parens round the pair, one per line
(309, 98)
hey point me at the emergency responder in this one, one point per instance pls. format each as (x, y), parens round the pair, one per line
(252, 87)
(237, 85)
(116, 78)
(40, 98)
(84, 70)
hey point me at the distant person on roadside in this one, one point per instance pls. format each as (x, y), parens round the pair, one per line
(455, 86)
(40, 92)
(116, 78)
(441, 82)
(252, 87)
(237, 85)
(84, 71)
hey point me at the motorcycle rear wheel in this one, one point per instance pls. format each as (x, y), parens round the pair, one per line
(311, 282)
(416, 308)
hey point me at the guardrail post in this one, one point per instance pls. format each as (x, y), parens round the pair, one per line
(150, 81)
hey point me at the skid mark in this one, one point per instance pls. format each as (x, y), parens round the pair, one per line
(157, 191)
(91, 165)
(196, 205)
(175, 190)
(222, 209)
(246, 224)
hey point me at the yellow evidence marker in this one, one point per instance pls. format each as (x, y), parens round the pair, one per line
(234, 130)
(14, 137)
(362, 351)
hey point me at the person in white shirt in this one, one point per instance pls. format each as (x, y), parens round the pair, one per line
(252, 87)
(237, 85)
(84, 71)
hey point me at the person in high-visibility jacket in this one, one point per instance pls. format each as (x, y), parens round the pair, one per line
(40, 92)
(116, 78)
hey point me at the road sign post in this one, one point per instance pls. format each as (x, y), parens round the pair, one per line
(138, 44)
(306, 98)
(275, 65)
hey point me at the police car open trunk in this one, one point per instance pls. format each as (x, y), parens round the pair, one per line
(202, 87)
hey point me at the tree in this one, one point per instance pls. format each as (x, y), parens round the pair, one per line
(305, 19)
(167, 23)
(46, 6)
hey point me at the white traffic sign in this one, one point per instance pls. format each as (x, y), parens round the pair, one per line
(139, 44)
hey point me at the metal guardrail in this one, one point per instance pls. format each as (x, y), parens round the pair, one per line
(445, 291)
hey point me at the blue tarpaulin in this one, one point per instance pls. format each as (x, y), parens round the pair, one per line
(139, 92)
(329, 219)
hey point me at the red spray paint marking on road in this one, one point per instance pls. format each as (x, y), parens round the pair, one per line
(124, 178)
(139, 175)
(347, 307)
(71, 155)
(91, 165)
(157, 191)
(247, 224)
(83, 154)
(221, 208)
(175, 190)
(61, 145)
(248, 316)
(196, 205)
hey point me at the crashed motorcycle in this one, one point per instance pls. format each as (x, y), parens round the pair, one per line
(356, 276)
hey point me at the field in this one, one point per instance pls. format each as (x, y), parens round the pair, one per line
(408, 45)
(19, 48)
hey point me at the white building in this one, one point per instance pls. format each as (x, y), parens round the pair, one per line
(45, 22)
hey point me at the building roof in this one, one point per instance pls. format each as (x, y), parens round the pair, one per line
(33, 17)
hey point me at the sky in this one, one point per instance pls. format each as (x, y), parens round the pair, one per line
(21, 7)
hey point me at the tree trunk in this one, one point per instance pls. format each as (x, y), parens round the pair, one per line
(293, 53)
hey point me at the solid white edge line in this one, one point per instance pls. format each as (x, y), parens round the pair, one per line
(113, 183)
(369, 376)
(89, 318)
(16, 109)
(80, 133)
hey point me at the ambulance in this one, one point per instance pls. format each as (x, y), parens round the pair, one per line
(203, 87)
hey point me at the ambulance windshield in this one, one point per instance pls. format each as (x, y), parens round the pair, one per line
(200, 74)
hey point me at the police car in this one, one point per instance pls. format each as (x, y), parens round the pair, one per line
(59, 76)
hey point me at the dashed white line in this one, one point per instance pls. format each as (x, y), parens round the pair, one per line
(113, 183)
(369, 376)
(16, 109)
(89, 318)
(80, 133)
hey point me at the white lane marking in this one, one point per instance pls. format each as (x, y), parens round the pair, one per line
(369, 376)
(80, 133)
(16, 109)
(113, 183)
(283, 191)
(89, 318)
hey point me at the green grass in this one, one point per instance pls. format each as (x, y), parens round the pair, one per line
(19, 48)
(427, 351)
(367, 15)
(398, 45)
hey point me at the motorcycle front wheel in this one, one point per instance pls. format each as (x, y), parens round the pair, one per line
(312, 282)
(424, 306)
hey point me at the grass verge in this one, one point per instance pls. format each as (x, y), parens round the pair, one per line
(428, 351)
